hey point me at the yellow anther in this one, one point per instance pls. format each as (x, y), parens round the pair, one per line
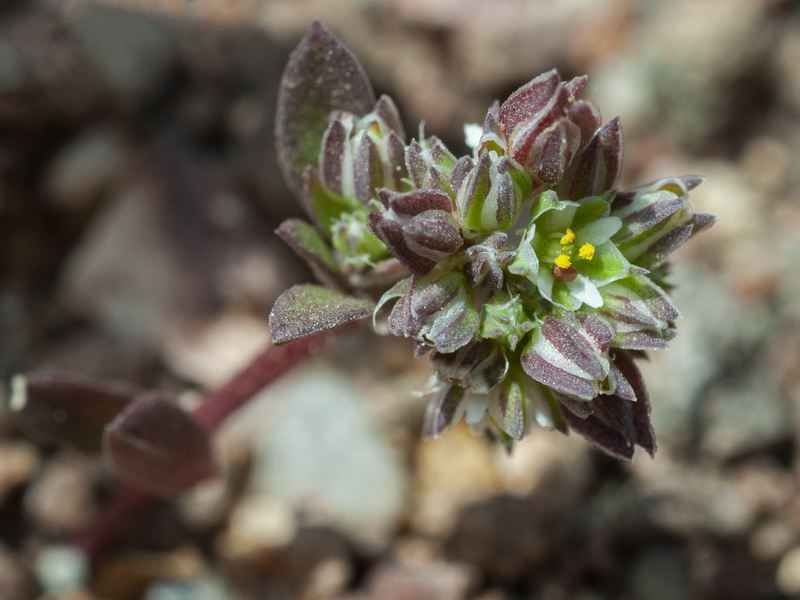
(586, 251)
(568, 237)
(563, 261)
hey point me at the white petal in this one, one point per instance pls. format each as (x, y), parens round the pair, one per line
(599, 231)
(472, 134)
(476, 405)
(544, 281)
(585, 291)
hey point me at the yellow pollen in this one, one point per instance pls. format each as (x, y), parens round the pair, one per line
(568, 237)
(586, 251)
(563, 261)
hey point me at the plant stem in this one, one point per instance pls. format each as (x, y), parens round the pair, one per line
(213, 409)
(265, 368)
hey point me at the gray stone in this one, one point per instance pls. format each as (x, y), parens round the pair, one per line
(321, 450)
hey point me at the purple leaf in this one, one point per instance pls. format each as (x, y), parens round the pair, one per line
(461, 169)
(397, 151)
(529, 101)
(415, 164)
(597, 168)
(321, 76)
(418, 201)
(402, 321)
(636, 301)
(390, 232)
(613, 422)
(602, 436)
(442, 302)
(333, 148)
(386, 109)
(67, 409)
(576, 84)
(508, 409)
(657, 253)
(433, 234)
(565, 359)
(443, 411)
(648, 217)
(587, 117)
(306, 309)
(554, 150)
(702, 221)
(368, 170)
(641, 408)
(158, 447)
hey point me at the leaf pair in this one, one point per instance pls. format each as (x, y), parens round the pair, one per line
(145, 438)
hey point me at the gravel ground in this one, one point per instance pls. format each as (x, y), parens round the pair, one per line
(138, 194)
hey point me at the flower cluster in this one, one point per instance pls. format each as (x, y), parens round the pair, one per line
(529, 278)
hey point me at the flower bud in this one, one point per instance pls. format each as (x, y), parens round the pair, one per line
(417, 228)
(492, 194)
(433, 234)
(477, 367)
(545, 127)
(504, 319)
(488, 259)
(569, 357)
(656, 220)
(357, 247)
(441, 303)
(360, 155)
(640, 312)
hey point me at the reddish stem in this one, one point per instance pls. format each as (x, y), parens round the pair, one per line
(125, 501)
(265, 368)
(214, 408)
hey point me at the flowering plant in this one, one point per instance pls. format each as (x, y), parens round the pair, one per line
(531, 280)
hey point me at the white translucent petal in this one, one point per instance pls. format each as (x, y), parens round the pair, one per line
(476, 405)
(472, 134)
(584, 290)
(599, 232)
(544, 281)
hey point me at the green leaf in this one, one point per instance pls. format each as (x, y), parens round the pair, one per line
(306, 309)
(308, 244)
(324, 205)
(321, 76)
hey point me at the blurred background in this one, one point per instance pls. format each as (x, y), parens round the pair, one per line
(138, 195)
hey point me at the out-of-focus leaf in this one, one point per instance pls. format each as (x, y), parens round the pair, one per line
(509, 409)
(600, 434)
(158, 447)
(306, 309)
(309, 245)
(442, 412)
(645, 437)
(614, 423)
(322, 204)
(67, 409)
(598, 167)
(321, 76)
